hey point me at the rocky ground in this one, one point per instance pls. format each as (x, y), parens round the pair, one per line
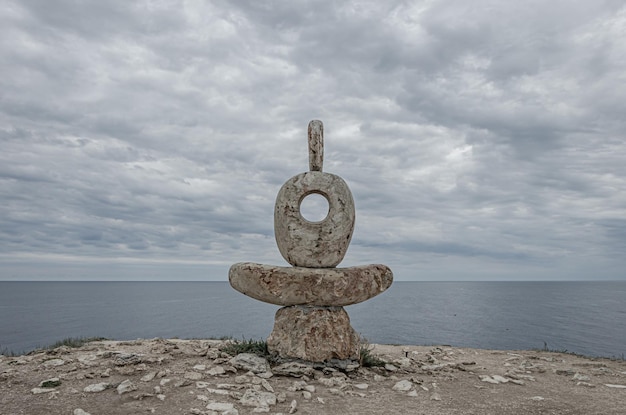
(194, 377)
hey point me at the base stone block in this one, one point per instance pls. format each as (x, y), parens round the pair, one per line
(314, 334)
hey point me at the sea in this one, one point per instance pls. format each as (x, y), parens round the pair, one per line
(581, 317)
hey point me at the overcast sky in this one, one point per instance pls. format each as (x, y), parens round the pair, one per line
(148, 139)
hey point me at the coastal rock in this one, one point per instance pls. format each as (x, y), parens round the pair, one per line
(488, 379)
(97, 387)
(192, 375)
(123, 359)
(497, 379)
(220, 406)
(281, 397)
(315, 334)
(38, 391)
(256, 398)
(266, 385)
(50, 383)
(294, 369)
(390, 368)
(149, 376)
(181, 383)
(88, 359)
(435, 396)
(333, 382)
(217, 391)
(54, 362)
(216, 370)
(500, 379)
(125, 387)
(581, 377)
(250, 362)
(403, 362)
(403, 386)
(289, 286)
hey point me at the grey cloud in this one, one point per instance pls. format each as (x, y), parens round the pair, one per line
(471, 135)
(100, 20)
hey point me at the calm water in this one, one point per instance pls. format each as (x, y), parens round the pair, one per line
(582, 317)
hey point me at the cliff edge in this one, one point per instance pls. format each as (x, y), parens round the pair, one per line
(172, 376)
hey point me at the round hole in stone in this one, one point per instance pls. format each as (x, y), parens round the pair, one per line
(314, 207)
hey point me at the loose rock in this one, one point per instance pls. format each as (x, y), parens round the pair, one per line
(125, 387)
(251, 362)
(255, 398)
(578, 376)
(54, 362)
(391, 368)
(293, 369)
(97, 387)
(217, 370)
(50, 383)
(220, 406)
(293, 407)
(148, 377)
(403, 386)
(435, 396)
(38, 391)
(192, 375)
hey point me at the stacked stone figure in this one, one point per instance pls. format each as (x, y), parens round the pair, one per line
(312, 325)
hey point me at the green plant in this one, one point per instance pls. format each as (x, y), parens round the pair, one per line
(547, 349)
(367, 358)
(8, 353)
(51, 383)
(74, 342)
(235, 347)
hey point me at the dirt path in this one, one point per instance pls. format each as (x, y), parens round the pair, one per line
(194, 377)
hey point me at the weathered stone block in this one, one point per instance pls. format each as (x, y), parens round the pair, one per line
(315, 334)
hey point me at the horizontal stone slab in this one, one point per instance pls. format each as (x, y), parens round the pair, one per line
(287, 286)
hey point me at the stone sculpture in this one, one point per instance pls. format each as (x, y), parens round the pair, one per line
(312, 325)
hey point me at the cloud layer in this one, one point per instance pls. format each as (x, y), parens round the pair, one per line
(148, 140)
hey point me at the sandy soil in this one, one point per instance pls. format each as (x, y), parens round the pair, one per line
(193, 377)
